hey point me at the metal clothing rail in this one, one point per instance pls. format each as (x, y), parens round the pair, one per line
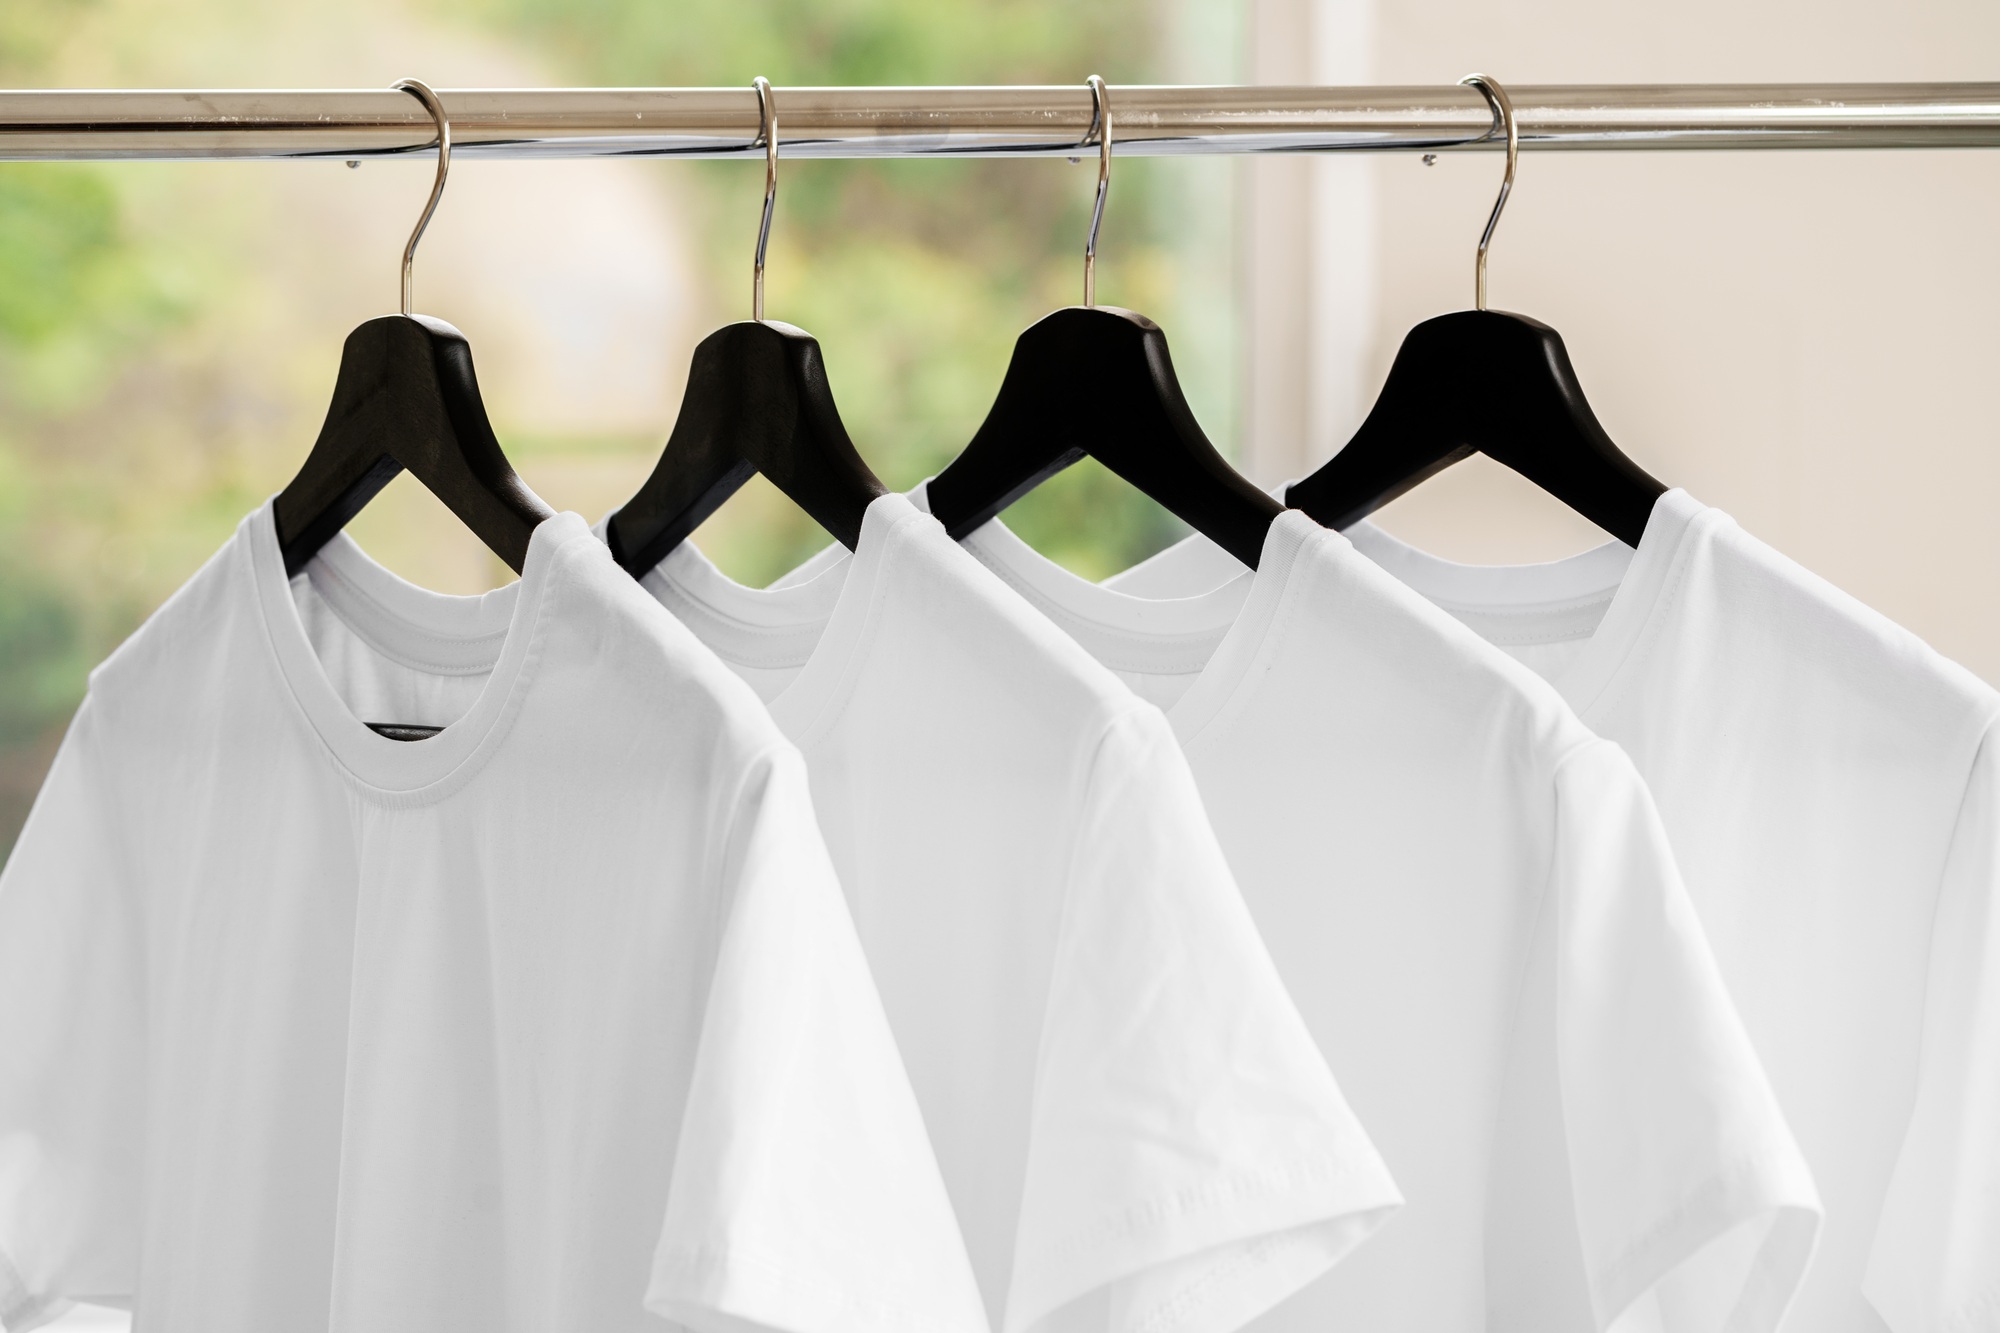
(980, 122)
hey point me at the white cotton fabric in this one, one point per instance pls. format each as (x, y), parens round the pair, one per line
(1132, 1121)
(547, 1021)
(1831, 788)
(1471, 899)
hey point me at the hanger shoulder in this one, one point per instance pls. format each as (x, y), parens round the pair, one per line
(699, 469)
(1492, 382)
(406, 397)
(1558, 443)
(354, 456)
(1028, 435)
(757, 400)
(1100, 381)
(1412, 433)
(1149, 436)
(474, 479)
(817, 467)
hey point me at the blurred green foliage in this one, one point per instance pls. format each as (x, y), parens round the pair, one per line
(72, 291)
(45, 653)
(642, 42)
(57, 232)
(77, 293)
(32, 30)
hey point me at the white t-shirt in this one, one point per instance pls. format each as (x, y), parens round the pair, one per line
(548, 1020)
(1471, 899)
(1134, 1126)
(1831, 788)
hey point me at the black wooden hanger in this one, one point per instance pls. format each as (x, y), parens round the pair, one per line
(1098, 381)
(1487, 381)
(757, 400)
(406, 397)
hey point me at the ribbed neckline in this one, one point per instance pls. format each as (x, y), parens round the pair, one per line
(1216, 635)
(817, 624)
(1534, 603)
(424, 630)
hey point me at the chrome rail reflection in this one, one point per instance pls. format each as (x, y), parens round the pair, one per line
(977, 122)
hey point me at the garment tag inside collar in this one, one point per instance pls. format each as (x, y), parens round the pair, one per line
(404, 731)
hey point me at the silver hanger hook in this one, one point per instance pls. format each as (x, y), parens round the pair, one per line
(1100, 129)
(422, 92)
(767, 130)
(1503, 120)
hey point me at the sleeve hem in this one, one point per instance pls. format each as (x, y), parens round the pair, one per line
(690, 1282)
(1755, 1187)
(22, 1309)
(1258, 1274)
(1252, 1210)
(1979, 1312)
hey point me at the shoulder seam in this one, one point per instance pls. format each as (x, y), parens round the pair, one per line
(1115, 713)
(722, 895)
(1577, 747)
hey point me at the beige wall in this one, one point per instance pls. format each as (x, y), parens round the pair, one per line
(1807, 340)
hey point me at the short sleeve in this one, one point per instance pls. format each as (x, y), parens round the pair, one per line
(1936, 1259)
(1694, 1206)
(1191, 1161)
(805, 1196)
(72, 1055)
